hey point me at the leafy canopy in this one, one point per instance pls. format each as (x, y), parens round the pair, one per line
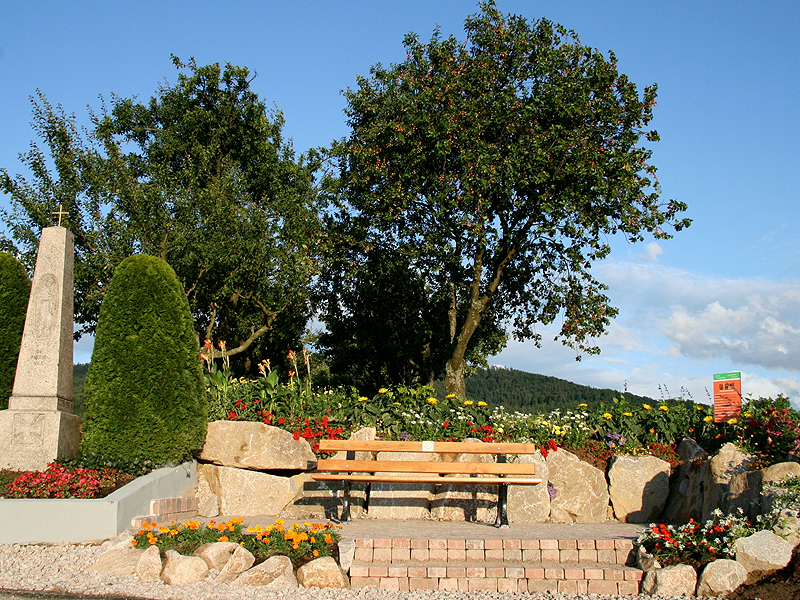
(200, 176)
(500, 166)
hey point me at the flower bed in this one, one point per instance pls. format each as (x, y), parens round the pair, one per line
(58, 481)
(300, 542)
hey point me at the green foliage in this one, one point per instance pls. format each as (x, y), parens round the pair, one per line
(412, 343)
(500, 166)
(15, 288)
(144, 387)
(78, 382)
(199, 175)
(122, 464)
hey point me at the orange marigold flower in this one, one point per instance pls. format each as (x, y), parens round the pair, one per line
(223, 538)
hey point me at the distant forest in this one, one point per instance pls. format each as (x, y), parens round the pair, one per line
(497, 386)
(531, 393)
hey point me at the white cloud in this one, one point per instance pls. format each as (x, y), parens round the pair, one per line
(653, 250)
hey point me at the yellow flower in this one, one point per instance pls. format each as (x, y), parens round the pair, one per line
(482, 403)
(432, 400)
(646, 406)
(628, 414)
(450, 396)
(278, 521)
(382, 391)
(468, 403)
(747, 414)
(733, 421)
(664, 408)
(608, 416)
(396, 403)
(363, 399)
(708, 418)
(700, 407)
(582, 405)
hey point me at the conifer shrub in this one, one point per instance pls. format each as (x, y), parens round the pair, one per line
(15, 288)
(144, 387)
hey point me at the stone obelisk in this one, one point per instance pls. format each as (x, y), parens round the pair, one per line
(40, 424)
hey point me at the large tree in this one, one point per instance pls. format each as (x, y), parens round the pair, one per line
(200, 176)
(500, 167)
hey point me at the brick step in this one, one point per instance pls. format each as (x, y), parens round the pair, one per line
(501, 577)
(617, 552)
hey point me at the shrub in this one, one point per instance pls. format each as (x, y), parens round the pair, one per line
(15, 287)
(144, 388)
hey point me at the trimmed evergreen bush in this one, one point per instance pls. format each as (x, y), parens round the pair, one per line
(15, 288)
(144, 387)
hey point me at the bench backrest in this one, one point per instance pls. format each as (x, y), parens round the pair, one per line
(445, 447)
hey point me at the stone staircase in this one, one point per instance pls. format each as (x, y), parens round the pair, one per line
(576, 566)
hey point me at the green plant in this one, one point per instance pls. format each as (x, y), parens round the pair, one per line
(15, 288)
(144, 386)
(121, 464)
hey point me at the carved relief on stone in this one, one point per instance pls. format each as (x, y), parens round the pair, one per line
(28, 429)
(44, 313)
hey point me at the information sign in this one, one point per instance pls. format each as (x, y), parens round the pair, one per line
(727, 396)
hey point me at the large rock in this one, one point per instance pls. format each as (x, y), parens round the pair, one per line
(687, 484)
(763, 551)
(149, 566)
(638, 487)
(677, 580)
(123, 541)
(771, 476)
(118, 561)
(721, 577)
(402, 500)
(729, 461)
(241, 560)
(581, 492)
(253, 445)
(530, 503)
(248, 493)
(322, 572)
(275, 573)
(182, 570)
(744, 494)
(216, 554)
(470, 502)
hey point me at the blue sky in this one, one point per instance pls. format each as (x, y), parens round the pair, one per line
(722, 296)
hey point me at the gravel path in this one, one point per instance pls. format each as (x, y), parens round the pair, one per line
(62, 569)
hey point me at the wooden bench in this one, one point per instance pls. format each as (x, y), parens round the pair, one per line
(443, 472)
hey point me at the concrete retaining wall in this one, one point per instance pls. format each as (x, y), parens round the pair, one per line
(74, 520)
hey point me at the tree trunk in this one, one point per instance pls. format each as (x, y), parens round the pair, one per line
(454, 377)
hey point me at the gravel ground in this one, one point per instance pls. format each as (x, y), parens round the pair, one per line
(62, 569)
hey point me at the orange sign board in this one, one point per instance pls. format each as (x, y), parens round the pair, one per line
(727, 396)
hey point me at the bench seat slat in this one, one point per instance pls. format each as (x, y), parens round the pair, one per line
(424, 479)
(403, 466)
(455, 447)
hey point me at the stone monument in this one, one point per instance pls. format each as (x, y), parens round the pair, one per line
(40, 424)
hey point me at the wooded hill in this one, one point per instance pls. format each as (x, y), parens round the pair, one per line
(532, 393)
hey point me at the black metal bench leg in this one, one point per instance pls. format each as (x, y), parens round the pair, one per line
(346, 502)
(502, 505)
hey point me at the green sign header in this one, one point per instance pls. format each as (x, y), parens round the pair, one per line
(724, 376)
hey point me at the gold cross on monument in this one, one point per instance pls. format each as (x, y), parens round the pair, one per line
(60, 213)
